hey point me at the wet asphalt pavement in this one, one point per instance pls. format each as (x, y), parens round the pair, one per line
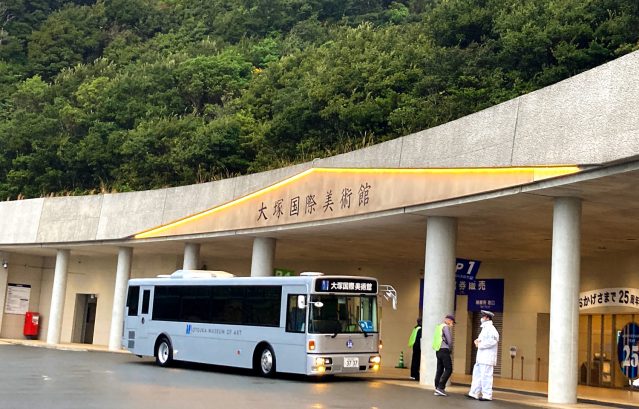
(33, 377)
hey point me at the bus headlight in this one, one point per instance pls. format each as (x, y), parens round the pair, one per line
(320, 364)
(375, 359)
(320, 361)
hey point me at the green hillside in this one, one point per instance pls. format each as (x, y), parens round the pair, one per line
(119, 95)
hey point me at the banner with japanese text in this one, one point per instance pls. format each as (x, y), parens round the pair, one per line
(609, 297)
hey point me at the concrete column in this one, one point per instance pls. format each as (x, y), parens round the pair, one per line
(57, 297)
(439, 287)
(263, 256)
(564, 295)
(191, 256)
(122, 274)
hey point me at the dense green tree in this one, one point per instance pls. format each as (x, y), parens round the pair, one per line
(19, 19)
(362, 88)
(28, 142)
(69, 36)
(460, 23)
(212, 80)
(543, 42)
(138, 94)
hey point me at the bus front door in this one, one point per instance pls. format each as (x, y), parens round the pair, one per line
(136, 319)
(144, 320)
(131, 311)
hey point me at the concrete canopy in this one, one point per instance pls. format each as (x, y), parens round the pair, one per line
(509, 224)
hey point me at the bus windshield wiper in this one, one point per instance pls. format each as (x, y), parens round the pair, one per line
(334, 335)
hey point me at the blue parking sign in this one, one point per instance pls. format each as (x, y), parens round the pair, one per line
(466, 269)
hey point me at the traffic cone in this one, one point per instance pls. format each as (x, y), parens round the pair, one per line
(400, 364)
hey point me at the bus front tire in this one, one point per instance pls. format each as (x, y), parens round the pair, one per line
(163, 352)
(265, 362)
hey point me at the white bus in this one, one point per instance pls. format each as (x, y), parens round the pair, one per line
(312, 324)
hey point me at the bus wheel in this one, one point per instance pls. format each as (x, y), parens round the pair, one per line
(266, 363)
(163, 352)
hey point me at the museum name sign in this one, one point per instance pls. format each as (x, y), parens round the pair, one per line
(329, 193)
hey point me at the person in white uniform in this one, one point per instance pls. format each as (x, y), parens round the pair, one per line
(481, 387)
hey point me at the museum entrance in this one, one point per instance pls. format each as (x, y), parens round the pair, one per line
(598, 361)
(84, 321)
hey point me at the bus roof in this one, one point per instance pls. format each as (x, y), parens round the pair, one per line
(329, 283)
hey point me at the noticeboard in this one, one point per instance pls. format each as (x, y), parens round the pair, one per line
(18, 296)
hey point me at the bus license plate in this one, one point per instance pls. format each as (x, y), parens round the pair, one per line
(351, 362)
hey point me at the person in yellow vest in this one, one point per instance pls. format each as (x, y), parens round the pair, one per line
(415, 342)
(443, 346)
(487, 344)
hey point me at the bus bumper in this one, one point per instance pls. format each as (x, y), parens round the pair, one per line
(328, 364)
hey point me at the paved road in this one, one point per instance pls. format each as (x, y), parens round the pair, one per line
(53, 379)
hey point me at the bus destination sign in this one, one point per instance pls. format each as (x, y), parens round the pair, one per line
(345, 285)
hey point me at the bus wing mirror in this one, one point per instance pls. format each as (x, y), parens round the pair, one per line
(390, 294)
(301, 302)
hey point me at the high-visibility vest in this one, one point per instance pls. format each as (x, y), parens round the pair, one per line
(438, 336)
(413, 336)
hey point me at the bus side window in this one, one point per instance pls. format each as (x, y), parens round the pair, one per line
(295, 317)
(146, 297)
(132, 300)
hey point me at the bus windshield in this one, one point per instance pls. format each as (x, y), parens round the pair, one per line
(342, 314)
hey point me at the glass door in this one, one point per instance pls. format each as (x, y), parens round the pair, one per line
(596, 356)
(607, 351)
(598, 361)
(585, 324)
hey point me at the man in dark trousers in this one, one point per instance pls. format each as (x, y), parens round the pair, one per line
(415, 341)
(443, 346)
